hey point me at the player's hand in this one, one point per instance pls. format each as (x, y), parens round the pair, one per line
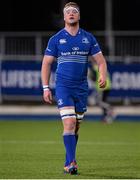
(47, 95)
(102, 82)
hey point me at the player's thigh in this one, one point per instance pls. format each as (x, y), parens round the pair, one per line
(81, 102)
(63, 97)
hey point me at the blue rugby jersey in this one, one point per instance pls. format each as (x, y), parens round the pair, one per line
(72, 54)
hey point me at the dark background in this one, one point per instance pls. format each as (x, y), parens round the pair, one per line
(45, 15)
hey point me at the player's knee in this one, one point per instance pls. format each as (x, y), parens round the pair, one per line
(77, 127)
(69, 124)
(79, 117)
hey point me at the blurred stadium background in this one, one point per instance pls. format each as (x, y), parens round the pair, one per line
(24, 33)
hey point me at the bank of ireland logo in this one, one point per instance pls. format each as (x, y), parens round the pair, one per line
(60, 102)
(75, 48)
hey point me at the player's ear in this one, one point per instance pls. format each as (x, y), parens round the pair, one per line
(79, 17)
(64, 17)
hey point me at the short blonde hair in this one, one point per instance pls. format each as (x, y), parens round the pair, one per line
(72, 4)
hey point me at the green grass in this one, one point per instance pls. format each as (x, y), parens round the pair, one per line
(34, 150)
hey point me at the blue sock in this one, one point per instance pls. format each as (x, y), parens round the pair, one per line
(67, 162)
(70, 146)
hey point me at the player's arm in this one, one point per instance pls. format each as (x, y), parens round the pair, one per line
(102, 67)
(45, 77)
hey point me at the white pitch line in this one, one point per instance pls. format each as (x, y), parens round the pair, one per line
(61, 143)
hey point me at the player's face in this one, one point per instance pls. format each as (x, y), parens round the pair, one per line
(71, 15)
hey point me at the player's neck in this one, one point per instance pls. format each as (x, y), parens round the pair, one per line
(72, 29)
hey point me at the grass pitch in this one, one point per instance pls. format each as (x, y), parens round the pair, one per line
(34, 150)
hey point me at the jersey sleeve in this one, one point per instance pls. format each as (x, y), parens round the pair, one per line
(51, 48)
(95, 48)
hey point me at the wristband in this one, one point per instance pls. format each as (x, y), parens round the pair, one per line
(46, 88)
